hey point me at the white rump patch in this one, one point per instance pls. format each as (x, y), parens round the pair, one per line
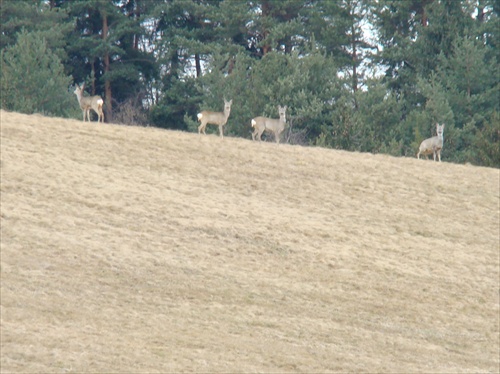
(100, 102)
(253, 123)
(199, 115)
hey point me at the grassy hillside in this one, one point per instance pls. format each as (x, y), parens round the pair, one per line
(129, 249)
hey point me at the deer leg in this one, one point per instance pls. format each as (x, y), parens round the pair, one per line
(254, 133)
(221, 131)
(257, 133)
(201, 128)
(277, 137)
(439, 155)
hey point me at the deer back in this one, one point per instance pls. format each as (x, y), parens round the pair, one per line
(93, 102)
(88, 102)
(216, 118)
(272, 124)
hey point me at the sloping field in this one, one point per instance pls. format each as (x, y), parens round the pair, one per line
(128, 249)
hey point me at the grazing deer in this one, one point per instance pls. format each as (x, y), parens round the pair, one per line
(276, 126)
(433, 145)
(215, 118)
(91, 102)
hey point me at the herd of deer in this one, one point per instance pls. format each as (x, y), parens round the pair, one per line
(259, 124)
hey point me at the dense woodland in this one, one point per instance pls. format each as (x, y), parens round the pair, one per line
(359, 75)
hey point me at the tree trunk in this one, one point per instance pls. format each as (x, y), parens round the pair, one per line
(354, 58)
(108, 109)
(136, 15)
(230, 68)
(266, 13)
(354, 61)
(92, 75)
(266, 49)
(198, 64)
(480, 11)
(424, 17)
(419, 8)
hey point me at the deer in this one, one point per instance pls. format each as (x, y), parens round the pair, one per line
(433, 145)
(89, 102)
(215, 118)
(276, 126)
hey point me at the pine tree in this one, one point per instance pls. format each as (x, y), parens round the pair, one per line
(33, 78)
(51, 24)
(104, 49)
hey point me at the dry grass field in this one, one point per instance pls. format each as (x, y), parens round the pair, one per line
(140, 250)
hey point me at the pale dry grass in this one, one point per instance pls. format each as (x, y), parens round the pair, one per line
(130, 249)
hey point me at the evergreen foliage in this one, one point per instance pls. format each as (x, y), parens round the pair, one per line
(161, 62)
(33, 78)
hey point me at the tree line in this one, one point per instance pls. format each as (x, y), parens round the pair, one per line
(360, 75)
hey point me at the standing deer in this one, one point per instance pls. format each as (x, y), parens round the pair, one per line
(91, 102)
(276, 126)
(215, 118)
(433, 145)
